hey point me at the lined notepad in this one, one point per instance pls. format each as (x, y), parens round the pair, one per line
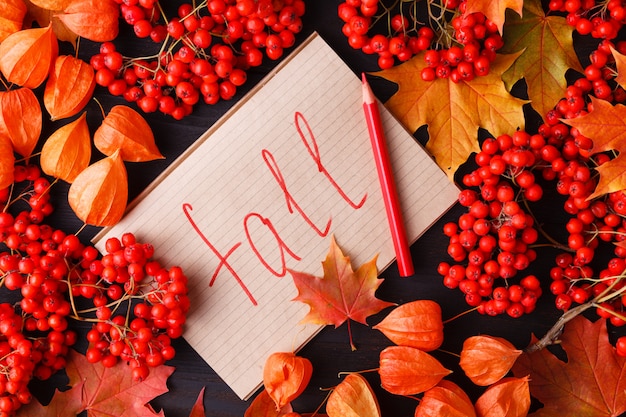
(262, 191)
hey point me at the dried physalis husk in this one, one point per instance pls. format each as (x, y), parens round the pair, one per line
(69, 87)
(96, 20)
(417, 324)
(353, 397)
(510, 397)
(446, 399)
(487, 359)
(27, 56)
(21, 119)
(99, 193)
(406, 371)
(285, 376)
(7, 159)
(51, 4)
(263, 406)
(66, 153)
(12, 14)
(126, 130)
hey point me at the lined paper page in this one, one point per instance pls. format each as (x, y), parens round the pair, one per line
(263, 190)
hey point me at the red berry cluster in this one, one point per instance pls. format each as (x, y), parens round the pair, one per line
(205, 52)
(159, 308)
(466, 53)
(495, 238)
(134, 300)
(601, 21)
(491, 243)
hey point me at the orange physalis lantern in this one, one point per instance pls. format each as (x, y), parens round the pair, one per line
(66, 153)
(96, 20)
(446, 399)
(285, 376)
(69, 88)
(353, 397)
(264, 406)
(99, 194)
(510, 397)
(417, 324)
(487, 359)
(26, 56)
(12, 14)
(126, 130)
(406, 371)
(21, 116)
(7, 160)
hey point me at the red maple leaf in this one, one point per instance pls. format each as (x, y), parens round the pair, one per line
(342, 293)
(592, 383)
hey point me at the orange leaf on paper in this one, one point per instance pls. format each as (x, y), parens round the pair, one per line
(509, 397)
(606, 126)
(99, 193)
(264, 406)
(353, 397)
(487, 359)
(417, 324)
(126, 131)
(494, 10)
(406, 371)
(446, 399)
(590, 384)
(67, 152)
(547, 53)
(21, 115)
(12, 14)
(27, 56)
(69, 87)
(342, 293)
(285, 376)
(96, 20)
(454, 111)
(7, 159)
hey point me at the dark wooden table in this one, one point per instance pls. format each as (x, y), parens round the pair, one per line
(329, 351)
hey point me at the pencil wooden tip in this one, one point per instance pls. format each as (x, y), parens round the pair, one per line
(368, 95)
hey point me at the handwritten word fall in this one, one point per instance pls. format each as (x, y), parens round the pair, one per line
(310, 143)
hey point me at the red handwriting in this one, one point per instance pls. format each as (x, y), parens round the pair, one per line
(315, 154)
(281, 245)
(308, 139)
(291, 203)
(223, 259)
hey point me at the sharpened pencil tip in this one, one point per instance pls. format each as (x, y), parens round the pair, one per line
(368, 95)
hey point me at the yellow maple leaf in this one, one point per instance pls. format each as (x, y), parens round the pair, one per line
(454, 111)
(494, 10)
(548, 52)
(605, 125)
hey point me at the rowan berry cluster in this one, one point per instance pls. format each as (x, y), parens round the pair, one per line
(459, 45)
(206, 51)
(601, 21)
(494, 241)
(136, 305)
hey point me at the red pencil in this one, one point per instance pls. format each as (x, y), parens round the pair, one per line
(387, 183)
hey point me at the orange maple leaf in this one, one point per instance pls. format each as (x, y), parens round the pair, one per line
(606, 126)
(342, 293)
(454, 111)
(494, 10)
(620, 66)
(590, 384)
(112, 391)
(63, 403)
(548, 52)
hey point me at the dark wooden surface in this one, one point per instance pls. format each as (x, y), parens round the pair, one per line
(330, 351)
